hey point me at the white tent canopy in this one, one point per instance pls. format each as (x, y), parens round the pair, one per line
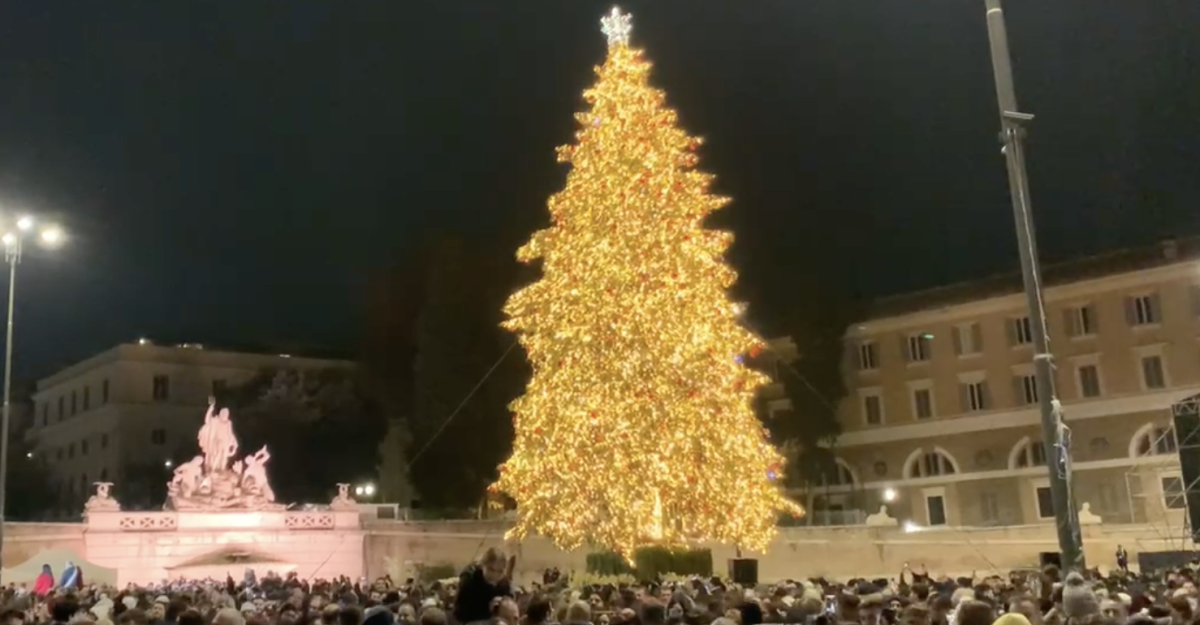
(27, 572)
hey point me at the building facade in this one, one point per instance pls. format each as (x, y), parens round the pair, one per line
(135, 401)
(941, 421)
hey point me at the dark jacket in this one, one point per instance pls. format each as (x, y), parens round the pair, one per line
(474, 600)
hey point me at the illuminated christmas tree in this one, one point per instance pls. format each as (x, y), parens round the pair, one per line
(637, 427)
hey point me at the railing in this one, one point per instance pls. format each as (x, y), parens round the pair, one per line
(826, 518)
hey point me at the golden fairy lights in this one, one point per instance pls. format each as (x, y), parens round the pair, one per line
(637, 426)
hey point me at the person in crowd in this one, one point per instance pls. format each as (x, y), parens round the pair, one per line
(1167, 597)
(479, 585)
(229, 616)
(72, 577)
(44, 582)
(12, 616)
(433, 616)
(61, 612)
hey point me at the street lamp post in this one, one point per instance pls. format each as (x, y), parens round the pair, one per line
(1057, 444)
(14, 241)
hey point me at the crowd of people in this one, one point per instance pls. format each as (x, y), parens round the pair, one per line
(486, 595)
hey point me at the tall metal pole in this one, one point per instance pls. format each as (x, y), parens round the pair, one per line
(13, 256)
(1012, 123)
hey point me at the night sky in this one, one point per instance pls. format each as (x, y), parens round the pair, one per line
(238, 170)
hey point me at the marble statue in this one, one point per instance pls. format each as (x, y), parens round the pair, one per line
(881, 518)
(187, 477)
(216, 439)
(102, 501)
(254, 476)
(343, 501)
(1087, 517)
(215, 480)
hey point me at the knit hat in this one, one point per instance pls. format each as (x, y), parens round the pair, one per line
(1078, 599)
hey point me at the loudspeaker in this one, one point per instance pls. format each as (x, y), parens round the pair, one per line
(1187, 435)
(1047, 558)
(744, 571)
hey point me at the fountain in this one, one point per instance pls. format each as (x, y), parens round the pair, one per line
(221, 518)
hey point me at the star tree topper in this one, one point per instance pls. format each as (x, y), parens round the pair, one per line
(616, 27)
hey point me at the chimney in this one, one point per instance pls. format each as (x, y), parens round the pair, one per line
(1170, 249)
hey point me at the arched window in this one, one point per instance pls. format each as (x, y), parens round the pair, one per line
(930, 463)
(1027, 453)
(1153, 439)
(843, 475)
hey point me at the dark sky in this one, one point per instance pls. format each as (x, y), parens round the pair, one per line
(237, 170)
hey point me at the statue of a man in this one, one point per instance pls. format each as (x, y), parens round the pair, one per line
(216, 438)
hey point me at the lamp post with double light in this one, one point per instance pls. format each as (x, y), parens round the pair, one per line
(24, 230)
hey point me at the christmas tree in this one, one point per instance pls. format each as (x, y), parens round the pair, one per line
(637, 426)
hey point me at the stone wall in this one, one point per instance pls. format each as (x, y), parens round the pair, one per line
(146, 547)
(399, 548)
(22, 541)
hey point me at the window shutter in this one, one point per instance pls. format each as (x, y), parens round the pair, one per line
(1010, 326)
(1156, 308)
(964, 397)
(904, 348)
(1130, 311)
(1194, 290)
(956, 335)
(986, 394)
(1018, 390)
(1069, 327)
(1093, 318)
(977, 337)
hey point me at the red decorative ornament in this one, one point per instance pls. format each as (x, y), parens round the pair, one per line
(755, 351)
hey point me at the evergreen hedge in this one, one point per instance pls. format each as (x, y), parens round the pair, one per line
(651, 562)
